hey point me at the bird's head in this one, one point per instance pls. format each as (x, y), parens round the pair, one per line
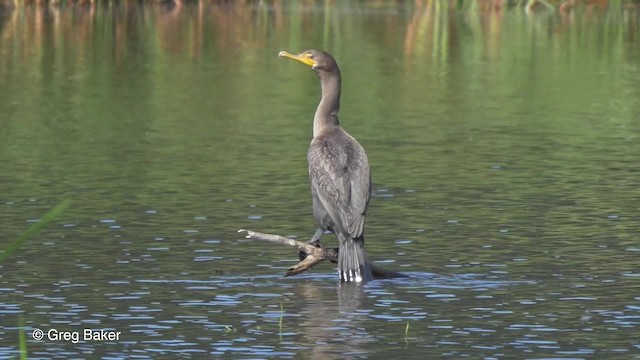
(318, 60)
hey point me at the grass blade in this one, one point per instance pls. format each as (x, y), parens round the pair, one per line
(34, 229)
(23, 338)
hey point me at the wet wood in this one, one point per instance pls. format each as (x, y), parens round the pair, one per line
(314, 255)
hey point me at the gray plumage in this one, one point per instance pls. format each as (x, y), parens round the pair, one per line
(339, 173)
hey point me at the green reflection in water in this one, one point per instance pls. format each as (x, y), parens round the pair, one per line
(501, 143)
(499, 120)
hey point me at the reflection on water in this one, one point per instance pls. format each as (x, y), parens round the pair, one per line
(454, 315)
(503, 144)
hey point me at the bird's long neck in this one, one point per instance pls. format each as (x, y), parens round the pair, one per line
(326, 117)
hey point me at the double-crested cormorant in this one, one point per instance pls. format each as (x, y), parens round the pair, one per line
(339, 173)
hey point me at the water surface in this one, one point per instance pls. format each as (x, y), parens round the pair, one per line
(503, 147)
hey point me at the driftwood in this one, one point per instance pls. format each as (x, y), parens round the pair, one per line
(314, 255)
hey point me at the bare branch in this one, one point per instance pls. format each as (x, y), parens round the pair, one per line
(315, 255)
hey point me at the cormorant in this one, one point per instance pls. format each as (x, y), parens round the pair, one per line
(339, 173)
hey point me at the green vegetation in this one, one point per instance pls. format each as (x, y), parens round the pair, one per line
(406, 333)
(15, 245)
(457, 4)
(23, 337)
(34, 229)
(281, 319)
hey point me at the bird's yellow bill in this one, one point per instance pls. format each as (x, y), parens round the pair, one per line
(304, 58)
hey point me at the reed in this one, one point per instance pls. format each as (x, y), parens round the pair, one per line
(15, 245)
(22, 337)
(34, 229)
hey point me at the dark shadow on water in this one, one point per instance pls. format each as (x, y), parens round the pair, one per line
(335, 318)
(350, 297)
(333, 326)
(454, 281)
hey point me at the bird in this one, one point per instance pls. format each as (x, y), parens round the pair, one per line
(339, 173)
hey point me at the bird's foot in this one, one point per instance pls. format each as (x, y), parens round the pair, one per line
(302, 255)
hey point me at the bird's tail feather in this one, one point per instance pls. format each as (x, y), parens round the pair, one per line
(353, 265)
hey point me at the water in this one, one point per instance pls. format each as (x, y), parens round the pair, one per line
(503, 147)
